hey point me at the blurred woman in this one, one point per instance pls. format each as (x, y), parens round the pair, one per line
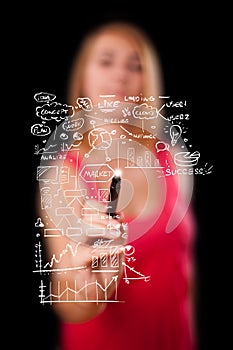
(130, 279)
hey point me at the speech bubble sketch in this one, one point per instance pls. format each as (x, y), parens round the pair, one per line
(73, 124)
(54, 111)
(161, 146)
(84, 103)
(40, 130)
(44, 97)
(145, 112)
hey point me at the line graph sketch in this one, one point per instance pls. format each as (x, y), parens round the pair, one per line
(48, 267)
(75, 294)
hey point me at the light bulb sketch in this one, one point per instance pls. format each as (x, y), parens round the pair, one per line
(175, 132)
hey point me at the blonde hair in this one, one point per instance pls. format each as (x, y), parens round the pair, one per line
(149, 57)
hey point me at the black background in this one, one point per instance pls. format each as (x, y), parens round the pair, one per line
(186, 42)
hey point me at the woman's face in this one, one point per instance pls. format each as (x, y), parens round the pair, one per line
(112, 68)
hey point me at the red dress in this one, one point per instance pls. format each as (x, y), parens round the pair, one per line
(156, 313)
